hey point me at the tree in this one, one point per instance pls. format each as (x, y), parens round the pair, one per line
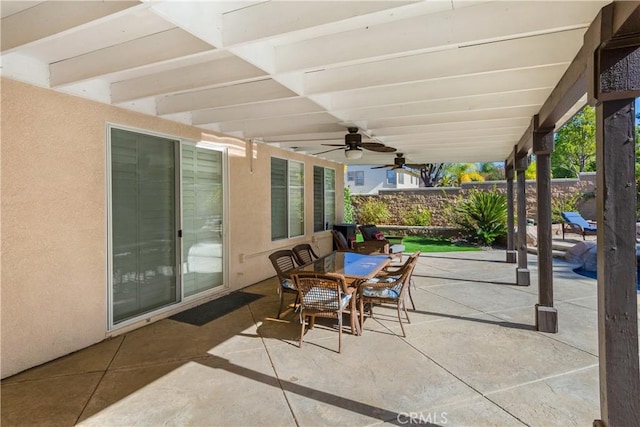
(531, 171)
(491, 171)
(575, 145)
(431, 174)
(457, 173)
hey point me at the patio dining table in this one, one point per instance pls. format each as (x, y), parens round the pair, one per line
(355, 268)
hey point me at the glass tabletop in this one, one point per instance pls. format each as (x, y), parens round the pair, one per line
(350, 264)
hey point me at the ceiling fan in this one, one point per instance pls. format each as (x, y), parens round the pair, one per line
(353, 145)
(400, 162)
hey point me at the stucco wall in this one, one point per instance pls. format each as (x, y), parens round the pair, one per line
(53, 271)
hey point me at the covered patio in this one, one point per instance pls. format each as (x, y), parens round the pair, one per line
(277, 97)
(471, 357)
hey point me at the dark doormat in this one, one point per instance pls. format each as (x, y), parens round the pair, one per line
(216, 308)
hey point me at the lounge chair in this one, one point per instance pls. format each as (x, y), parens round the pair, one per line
(575, 223)
(371, 247)
(371, 233)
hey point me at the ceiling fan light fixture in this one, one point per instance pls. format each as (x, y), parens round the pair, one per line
(354, 153)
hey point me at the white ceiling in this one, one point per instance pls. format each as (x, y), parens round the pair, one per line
(453, 81)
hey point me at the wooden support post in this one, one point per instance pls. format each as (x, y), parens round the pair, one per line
(511, 239)
(522, 272)
(617, 74)
(546, 314)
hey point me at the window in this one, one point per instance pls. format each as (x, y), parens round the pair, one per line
(351, 176)
(324, 198)
(359, 178)
(287, 198)
(391, 177)
(401, 178)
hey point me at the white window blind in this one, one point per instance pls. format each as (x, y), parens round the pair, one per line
(324, 198)
(202, 219)
(287, 198)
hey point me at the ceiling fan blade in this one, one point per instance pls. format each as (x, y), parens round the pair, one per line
(379, 148)
(369, 145)
(383, 166)
(328, 151)
(415, 165)
(333, 145)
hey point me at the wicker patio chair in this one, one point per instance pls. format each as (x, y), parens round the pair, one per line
(283, 261)
(322, 295)
(304, 253)
(387, 290)
(396, 271)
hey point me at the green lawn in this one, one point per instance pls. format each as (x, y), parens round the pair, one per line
(430, 244)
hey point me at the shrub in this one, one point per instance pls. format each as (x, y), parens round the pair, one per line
(373, 212)
(566, 203)
(482, 216)
(348, 206)
(417, 216)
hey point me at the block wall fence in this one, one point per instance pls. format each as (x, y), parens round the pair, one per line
(437, 198)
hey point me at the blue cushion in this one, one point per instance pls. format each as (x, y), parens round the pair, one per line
(286, 283)
(576, 218)
(391, 293)
(384, 279)
(324, 298)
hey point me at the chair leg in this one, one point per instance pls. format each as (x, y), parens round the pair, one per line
(339, 332)
(413, 306)
(302, 319)
(281, 302)
(355, 322)
(400, 320)
(361, 314)
(406, 313)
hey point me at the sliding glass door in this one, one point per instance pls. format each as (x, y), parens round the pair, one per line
(163, 251)
(144, 233)
(202, 219)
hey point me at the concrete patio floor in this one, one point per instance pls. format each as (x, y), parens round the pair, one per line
(471, 357)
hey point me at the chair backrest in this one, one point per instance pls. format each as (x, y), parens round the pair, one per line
(576, 218)
(304, 253)
(283, 261)
(370, 232)
(340, 241)
(321, 291)
(407, 272)
(414, 257)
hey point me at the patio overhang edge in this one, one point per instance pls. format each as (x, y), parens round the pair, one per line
(611, 27)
